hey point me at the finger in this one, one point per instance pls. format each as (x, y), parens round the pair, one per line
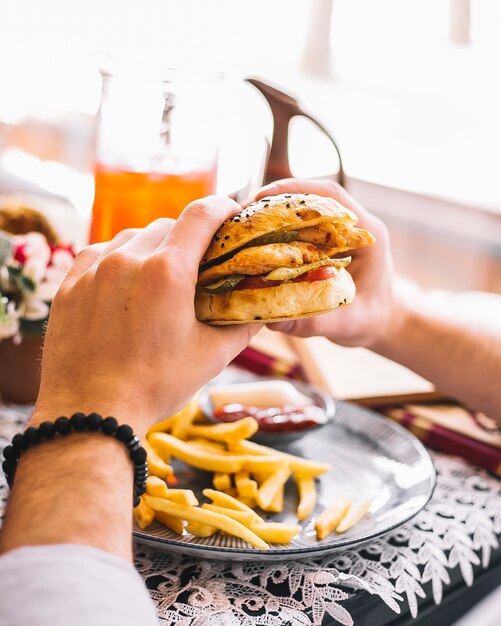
(85, 259)
(308, 327)
(192, 233)
(147, 239)
(231, 340)
(324, 188)
(120, 239)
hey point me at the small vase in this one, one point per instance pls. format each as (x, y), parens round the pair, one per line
(20, 369)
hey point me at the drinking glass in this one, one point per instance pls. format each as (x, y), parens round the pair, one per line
(156, 146)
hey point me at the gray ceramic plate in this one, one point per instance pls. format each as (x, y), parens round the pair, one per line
(371, 457)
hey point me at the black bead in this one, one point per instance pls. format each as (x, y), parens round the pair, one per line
(139, 456)
(142, 489)
(78, 422)
(63, 425)
(134, 448)
(141, 474)
(133, 443)
(17, 442)
(10, 453)
(136, 501)
(94, 421)
(8, 466)
(31, 436)
(47, 430)
(109, 425)
(124, 433)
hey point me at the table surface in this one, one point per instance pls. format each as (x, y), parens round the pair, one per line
(434, 567)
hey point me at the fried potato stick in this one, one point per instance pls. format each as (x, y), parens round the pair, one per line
(302, 468)
(210, 461)
(328, 520)
(202, 516)
(354, 515)
(156, 465)
(268, 490)
(143, 514)
(174, 523)
(307, 497)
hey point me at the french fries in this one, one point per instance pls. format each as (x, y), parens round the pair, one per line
(307, 497)
(156, 487)
(191, 455)
(209, 518)
(241, 516)
(302, 468)
(221, 481)
(182, 496)
(184, 418)
(275, 532)
(174, 523)
(354, 515)
(231, 432)
(270, 487)
(157, 466)
(143, 514)
(200, 530)
(246, 487)
(226, 501)
(328, 520)
(245, 476)
(277, 504)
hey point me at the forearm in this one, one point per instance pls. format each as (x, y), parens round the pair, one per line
(461, 360)
(74, 489)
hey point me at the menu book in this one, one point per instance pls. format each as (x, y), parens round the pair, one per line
(360, 375)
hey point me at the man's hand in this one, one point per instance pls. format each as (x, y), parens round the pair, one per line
(367, 320)
(123, 338)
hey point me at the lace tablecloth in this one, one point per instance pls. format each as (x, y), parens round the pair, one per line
(459, 528)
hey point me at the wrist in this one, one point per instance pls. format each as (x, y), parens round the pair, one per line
(394, 334)
(51, 405)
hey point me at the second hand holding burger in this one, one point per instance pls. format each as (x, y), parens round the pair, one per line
(277, 261)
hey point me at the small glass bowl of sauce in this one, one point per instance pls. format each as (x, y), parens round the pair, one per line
(279, 422)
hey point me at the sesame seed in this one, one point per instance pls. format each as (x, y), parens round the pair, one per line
(298, 214)
(258, 317)
(303, 202)
(226, 236)
(288, 205)
(222, 245)
(265, 200)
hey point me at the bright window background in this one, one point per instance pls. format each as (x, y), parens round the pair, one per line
(409, 109)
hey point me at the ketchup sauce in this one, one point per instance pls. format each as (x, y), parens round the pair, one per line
(274, 419)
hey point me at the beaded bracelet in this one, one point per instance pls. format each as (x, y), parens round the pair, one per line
(79, 422)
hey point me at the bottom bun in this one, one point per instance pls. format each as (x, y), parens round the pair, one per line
(287, 301)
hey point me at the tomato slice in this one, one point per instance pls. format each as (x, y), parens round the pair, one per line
(258, 282)
(321, 273)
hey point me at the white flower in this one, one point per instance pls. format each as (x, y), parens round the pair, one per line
(35, 268)
(36, 246)
(34, 309)
(48, 288)
(62, 259)
(9, 322)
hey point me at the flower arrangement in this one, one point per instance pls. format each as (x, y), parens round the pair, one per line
(31, 271)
